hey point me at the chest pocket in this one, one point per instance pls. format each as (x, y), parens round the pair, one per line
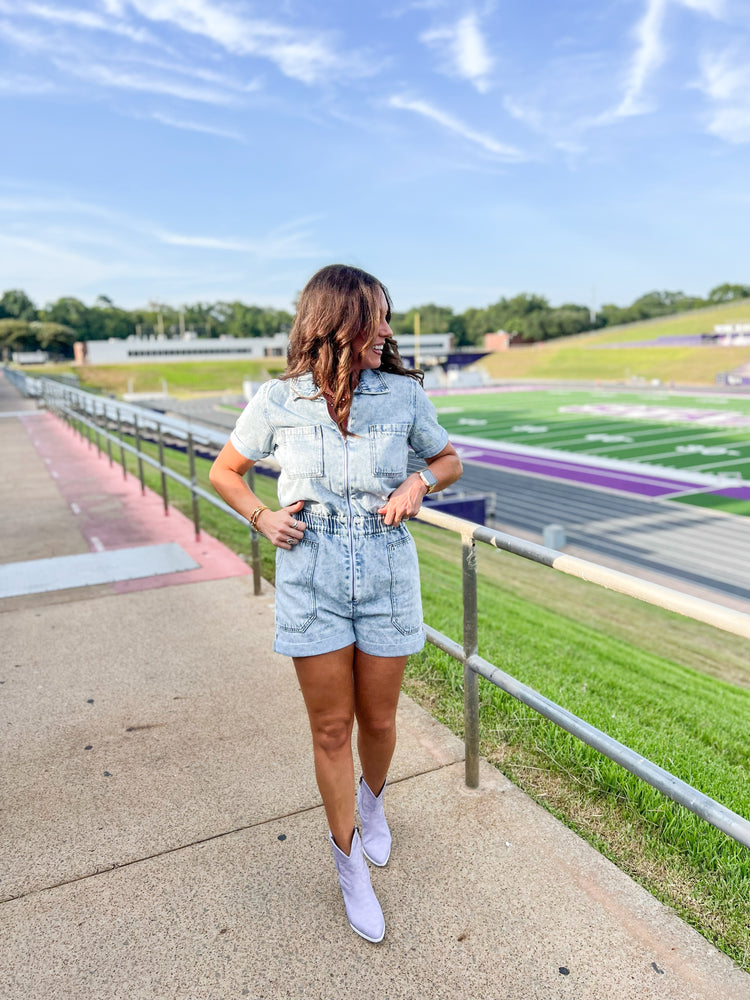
(299, 451)
(389, 449)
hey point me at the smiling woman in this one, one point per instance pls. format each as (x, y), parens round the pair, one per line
(348, 608)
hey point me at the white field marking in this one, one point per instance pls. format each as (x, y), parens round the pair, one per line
(450, 409)
(96, 544)
(529, 429)
(471, 422)
(54, 474)
(671, 439)
(663, 414)
(610, 438)
(722, 465)
(47, 461)
(704, 449)
(675, 451)
(74, 507)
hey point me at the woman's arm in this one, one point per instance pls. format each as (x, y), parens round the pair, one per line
(405, 501)
(227, 478)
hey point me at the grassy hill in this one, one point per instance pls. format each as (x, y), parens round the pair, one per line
(590, 356)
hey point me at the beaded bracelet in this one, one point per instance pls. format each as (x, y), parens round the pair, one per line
(255, 515)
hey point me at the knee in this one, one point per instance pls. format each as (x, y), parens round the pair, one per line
(377, 728)
(332, 735)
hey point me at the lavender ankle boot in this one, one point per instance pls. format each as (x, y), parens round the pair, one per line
(362, 907)
(376, 837)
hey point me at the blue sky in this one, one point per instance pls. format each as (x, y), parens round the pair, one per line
(186, 150)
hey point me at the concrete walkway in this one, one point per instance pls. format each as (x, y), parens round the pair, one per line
(162, 835)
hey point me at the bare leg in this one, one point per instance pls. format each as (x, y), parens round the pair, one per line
(377, 682)
(327, 684)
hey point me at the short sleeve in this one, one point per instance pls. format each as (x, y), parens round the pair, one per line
(427, 437)
(253, 435)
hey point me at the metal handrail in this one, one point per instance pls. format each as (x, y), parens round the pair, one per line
(73, 405)
(715, 813)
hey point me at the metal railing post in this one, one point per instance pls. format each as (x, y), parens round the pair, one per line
(193, 483)
(160, 440)
(95, 421)
(137, 432)
(471, 681)
(122, 449)
(254, 542)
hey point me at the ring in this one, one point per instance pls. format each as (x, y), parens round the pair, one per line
(290, 541)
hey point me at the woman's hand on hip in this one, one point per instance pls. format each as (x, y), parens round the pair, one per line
(280, 527)
(405, 501)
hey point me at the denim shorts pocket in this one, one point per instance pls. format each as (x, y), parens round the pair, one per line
(299, 451)
(296, 607)
(389, 449)
(406, 601)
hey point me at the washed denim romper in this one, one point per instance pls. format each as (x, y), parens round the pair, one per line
(352, 578)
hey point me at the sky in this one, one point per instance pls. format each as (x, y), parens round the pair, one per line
(179, 151)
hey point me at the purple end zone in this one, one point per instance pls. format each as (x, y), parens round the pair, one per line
(734, 493)
(641, 484)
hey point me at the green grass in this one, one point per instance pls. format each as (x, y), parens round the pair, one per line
(581, 357)
(181, 378)
(673, 689)
(649, 679)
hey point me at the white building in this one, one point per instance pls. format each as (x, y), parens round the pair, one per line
(189, 348)
(433, 349)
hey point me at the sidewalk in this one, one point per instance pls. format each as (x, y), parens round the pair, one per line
(162, 835)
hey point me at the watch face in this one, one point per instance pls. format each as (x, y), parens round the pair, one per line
(428, 478)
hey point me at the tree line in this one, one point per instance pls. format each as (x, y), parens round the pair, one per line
(55, 327)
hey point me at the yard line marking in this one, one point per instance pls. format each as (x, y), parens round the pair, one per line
(74, 507)
(96, 544)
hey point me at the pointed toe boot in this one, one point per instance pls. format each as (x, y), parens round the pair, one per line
(376, 837)
(362, 906)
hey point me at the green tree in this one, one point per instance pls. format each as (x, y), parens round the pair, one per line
(728, 293)
(54, 337)
(17, 335)
(16, 304)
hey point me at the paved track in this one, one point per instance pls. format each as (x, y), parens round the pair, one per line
(699, 548)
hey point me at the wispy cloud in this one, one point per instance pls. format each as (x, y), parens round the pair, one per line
(457, 127)
(123, 79)
(86, 19)
(302, 54)
(290, 241)
(650, 53)
(725, 80)
(189, 126)
(648, 56)
(20, 85)
(463, 50)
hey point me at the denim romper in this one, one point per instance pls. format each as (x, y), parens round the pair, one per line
(351, 578)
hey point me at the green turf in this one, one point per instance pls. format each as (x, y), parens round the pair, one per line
(714, 501)
(537, 419)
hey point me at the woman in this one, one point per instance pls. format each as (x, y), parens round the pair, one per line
(340, 422)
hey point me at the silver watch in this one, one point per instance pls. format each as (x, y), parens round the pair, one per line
(429, 479)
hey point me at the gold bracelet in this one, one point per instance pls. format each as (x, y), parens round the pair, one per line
(255, 515)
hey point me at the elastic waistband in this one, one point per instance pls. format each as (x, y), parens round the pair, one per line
(331, 524)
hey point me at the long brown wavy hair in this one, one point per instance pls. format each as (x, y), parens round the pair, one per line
(337, 304)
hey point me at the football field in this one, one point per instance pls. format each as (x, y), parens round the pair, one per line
(697, 446)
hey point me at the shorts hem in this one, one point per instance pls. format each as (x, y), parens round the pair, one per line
(406, 647)
(299, 647)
